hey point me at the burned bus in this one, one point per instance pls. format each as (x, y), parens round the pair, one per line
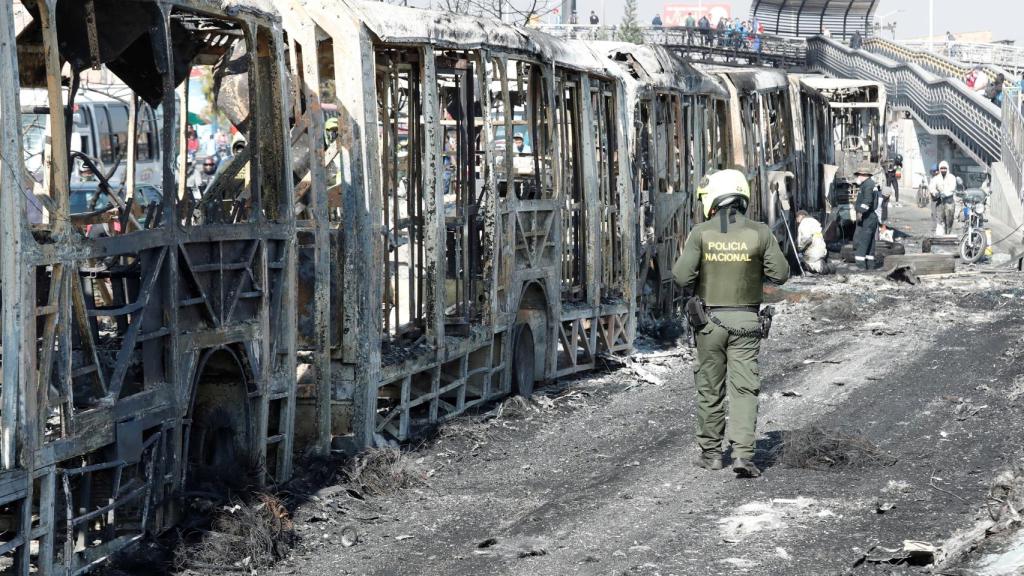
(677, 115)
(480, 236)
(156, 355)
(506, 205)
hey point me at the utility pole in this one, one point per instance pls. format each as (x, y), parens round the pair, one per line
(931, 24)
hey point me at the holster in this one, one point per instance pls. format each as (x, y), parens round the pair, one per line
(765, 318)
(696, 312)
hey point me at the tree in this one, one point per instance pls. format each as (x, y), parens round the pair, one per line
(629, 30)
(515, 11)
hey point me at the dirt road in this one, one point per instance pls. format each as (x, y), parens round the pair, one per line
(595, 476)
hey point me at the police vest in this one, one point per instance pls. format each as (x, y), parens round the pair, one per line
(732, 263)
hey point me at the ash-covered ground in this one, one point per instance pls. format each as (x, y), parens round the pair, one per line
(916, 394)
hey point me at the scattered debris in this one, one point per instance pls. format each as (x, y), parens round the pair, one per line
(526, 548)
(964, 408)
(791, 393)
(1005, 500)
(384, 471)
(883, 507)
(905, 273)
(349, 536)
(243, 536)
(912, 553)
(931, 483)
(820, 449)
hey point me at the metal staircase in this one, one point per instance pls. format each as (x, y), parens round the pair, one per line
(932, 61)
(943, 105)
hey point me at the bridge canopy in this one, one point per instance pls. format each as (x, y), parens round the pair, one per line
(811, 17)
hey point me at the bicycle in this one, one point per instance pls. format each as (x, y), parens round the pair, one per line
(973, 240)
(923, 195)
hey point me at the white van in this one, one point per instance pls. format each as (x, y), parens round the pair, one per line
(100, 129)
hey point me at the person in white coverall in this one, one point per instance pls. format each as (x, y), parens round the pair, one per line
(943, 189)
(812, 244)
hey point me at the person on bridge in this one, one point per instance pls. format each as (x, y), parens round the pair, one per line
(980, 80)
(705, 30)
(972, 78)
(994, 92)
(867, 204)
(594, 20)
(690, 24)
(811, 244)
(725, 260)
(656, 21)
(943, 190)
(720, 31)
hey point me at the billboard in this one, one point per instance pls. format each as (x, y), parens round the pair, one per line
(675, 14)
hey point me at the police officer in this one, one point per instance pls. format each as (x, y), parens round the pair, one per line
(727, 258)
(868, 202)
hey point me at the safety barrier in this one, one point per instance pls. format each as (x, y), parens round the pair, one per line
(942, 105)
(1013, 140)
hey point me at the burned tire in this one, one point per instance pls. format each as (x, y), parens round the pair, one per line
(523, 362)
(219, 445)
(882, 250)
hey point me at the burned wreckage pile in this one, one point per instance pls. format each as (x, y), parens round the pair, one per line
(434, 212)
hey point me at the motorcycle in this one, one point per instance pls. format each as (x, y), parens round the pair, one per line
(973, 238)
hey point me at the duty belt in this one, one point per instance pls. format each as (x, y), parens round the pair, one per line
(758, 332)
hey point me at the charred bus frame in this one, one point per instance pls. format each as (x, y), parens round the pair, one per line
(474, 268)
(130, 357)
(678, 134)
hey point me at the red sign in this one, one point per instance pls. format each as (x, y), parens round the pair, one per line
(676, 14)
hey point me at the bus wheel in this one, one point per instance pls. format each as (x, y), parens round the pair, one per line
(523, 362)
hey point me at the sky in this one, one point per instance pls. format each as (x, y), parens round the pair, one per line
(1005, 18)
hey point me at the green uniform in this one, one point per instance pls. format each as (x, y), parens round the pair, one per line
(728, 268)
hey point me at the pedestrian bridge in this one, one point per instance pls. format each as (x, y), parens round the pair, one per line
(924, 84)
(930, 88)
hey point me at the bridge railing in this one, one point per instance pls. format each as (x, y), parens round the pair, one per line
(1013, 139)
(1006, 56)
(942, 105)
(694, 39)
(934, 61)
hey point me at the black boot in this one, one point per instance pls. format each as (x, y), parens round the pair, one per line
(745, 468)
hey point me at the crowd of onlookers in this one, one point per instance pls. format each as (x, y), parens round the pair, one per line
(995, 90)
(726, 33)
